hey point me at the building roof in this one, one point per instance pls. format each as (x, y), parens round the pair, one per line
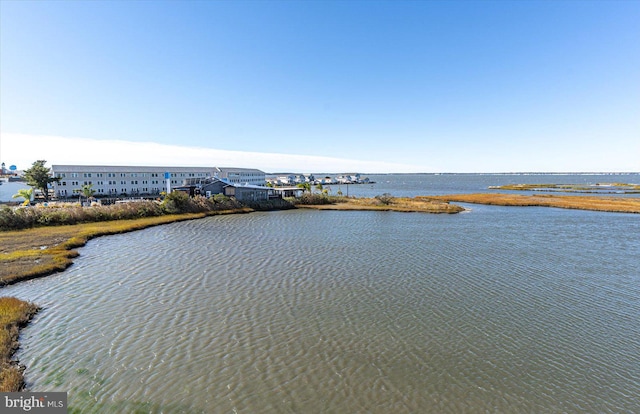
(237, 185)
(127, 168)
(231, 169)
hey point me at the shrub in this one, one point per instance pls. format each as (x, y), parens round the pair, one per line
(220, 198)
(176, 202)
(55, 217)
(148, 209)
(385, 199)
(268, 205)
(7, 218)
(202, 204)
(312, 199)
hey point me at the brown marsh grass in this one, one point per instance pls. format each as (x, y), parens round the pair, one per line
(14, 313)
(402, 204)
(594, 203)
(574, 188)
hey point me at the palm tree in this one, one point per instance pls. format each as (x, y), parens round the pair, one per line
(305, 186)
(86, 190)
(24, 193)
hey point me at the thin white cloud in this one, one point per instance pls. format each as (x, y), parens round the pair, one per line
(22, 150)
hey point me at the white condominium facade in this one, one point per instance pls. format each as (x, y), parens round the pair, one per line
(114, 181)
(241, 176)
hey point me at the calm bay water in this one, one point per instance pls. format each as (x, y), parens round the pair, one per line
(505, 310)
(410, 185)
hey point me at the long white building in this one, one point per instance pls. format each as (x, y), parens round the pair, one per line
(248, 176)
(115, 181)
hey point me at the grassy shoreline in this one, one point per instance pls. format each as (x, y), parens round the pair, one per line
(600, 188)
(399, 204)
(14, 314)
(592, 203)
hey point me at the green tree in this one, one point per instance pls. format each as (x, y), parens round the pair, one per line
(319, 187)
(24, 193)
(39, 177)
(176, 202)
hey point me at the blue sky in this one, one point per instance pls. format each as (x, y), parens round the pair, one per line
(383, 86)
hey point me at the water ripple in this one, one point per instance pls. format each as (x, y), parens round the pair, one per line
(347, 312)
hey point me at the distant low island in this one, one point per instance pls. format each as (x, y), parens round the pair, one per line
(599, 188)
(384, 202)
(593, 203)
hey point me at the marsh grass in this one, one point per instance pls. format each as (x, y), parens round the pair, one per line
(14, 313)
(575, 188)
(401, 204)
(593, 203)
(313, 199)
(72, 213)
